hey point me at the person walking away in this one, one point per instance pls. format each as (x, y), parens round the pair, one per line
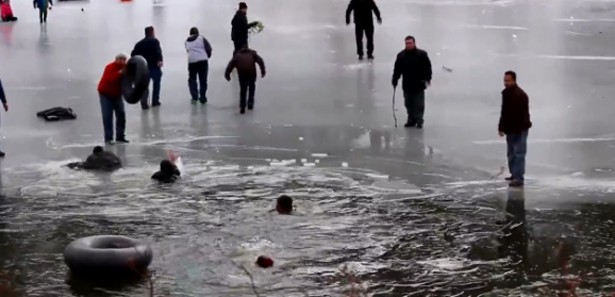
(245, 61)
(6, 108)
(43, 7)
(199, 52)
(363, 24)
(149, 48)
(240, 27)
(110, 93)
(514, 124)
(415, 67)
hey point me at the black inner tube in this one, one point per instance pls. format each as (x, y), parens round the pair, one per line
(135, 82)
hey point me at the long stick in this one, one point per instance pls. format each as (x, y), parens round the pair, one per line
(394, 115)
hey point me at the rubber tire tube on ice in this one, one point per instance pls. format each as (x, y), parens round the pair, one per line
(135, 82)
(108, 255)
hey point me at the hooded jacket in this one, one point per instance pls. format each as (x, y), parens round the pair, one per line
(362, 12)
(198, 49)
(245, 61)
(415, 67)
(515, 114)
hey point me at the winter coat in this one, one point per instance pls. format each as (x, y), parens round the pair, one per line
(362, 10)
(149, 48)
(245, 61)
(515, 114)
(42, 4)
(198, 49)
(110, 84)
(240, 26)
(415, 67)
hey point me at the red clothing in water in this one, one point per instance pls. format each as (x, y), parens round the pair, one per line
(110, 84)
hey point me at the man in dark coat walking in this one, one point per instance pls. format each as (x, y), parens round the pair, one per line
(245, 60)
(239, 31)
(514, 124)
(363, 23)
(415, 67)
(149, 48)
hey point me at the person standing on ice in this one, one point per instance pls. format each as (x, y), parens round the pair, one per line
(414, 65)
(514, 124)
(6, 108)
(43, 7)
(110, 93)
(240, 27)
(363, 24)
(199, 52)
(149, 48)
(245, 61)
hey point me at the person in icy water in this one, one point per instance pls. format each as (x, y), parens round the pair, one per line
(43, 7)
(98, 160)
(168, 173)
(240, 27)
(363, 23)
(515, 124)
(284, 205)
(415, 67)
(245, 61)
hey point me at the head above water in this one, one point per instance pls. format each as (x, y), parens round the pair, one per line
(194, 31)
(97, 149)
(410, 43)
(167, 167)
(149, 31)
(510, 79)
(121, 59)
(284, 205)
(243, 7)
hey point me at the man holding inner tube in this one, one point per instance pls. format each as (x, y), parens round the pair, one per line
(110, 92)
(149, 48)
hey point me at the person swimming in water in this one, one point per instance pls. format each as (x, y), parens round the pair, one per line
(98, 160)
(168, 173)
(284, 205)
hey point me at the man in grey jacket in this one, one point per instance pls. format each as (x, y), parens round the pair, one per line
(199, 51)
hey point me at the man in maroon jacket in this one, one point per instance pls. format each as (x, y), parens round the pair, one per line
(515, 123)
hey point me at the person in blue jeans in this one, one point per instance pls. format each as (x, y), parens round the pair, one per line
(149, 48)
(199, 52)
(514, 124)
(110, 93)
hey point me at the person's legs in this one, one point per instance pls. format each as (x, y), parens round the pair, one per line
(251, 92)
(106, 109)
(510, 152)
(408, 103)
(156, 74)
(520, 150)
(192, 86)
(203, 72)
(243, 84)
(369, 33)
(237, 44)
(40, 15)
(418, 108)
(120, 119)
(358, 34)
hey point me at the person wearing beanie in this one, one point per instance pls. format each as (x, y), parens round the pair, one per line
(199, 52)
(245, 60)
(168, 173)
(98, 160)
(240, 27)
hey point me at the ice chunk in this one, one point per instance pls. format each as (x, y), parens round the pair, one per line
(319, 155)
(344, 164)
(309, 164)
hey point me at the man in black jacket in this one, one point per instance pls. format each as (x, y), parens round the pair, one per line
(149, 48)
(415, 66)
(514, 124)
(363, 23)
(239, 32)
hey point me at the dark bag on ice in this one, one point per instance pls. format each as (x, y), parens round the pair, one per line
(57, 114)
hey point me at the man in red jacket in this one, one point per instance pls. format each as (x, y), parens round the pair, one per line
(514, 124)
(110, 92)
